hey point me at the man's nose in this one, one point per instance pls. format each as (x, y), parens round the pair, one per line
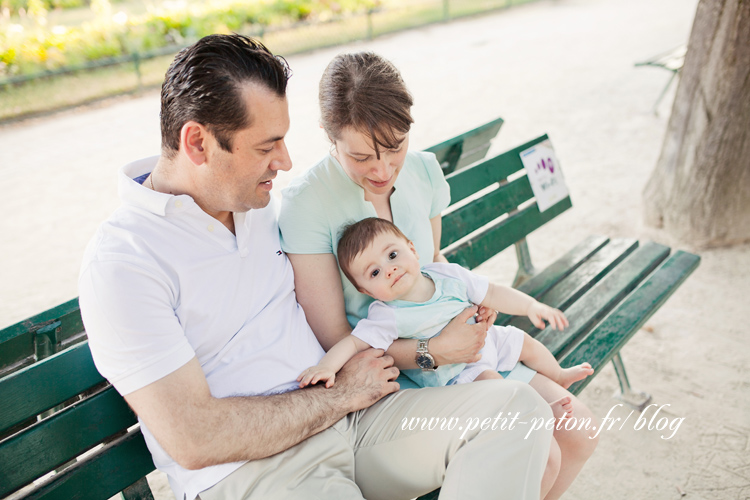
(283, 161)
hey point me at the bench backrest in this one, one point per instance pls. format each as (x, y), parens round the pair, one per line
(94, 418)
(40, 336)
(466, 148)
(492, 207)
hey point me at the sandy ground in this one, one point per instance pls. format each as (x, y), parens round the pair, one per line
(563, 67)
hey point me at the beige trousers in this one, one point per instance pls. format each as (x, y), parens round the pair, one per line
(372, 454)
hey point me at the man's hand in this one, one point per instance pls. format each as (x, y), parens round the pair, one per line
(459, 342)
(366, 378)
(316, 374)
(538, 312)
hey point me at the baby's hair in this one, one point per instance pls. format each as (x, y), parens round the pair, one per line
(356, 237)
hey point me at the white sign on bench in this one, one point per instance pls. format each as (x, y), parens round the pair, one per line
(545, 175)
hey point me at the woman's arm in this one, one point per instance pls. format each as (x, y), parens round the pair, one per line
(485, 313)
(318, 287)
(437, 231)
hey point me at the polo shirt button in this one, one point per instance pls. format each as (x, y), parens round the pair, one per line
(178, 203)
(210, 228)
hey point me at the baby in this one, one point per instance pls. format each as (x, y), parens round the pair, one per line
(414, 302)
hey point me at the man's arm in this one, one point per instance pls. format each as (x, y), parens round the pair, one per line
(199, 430)
(331, 363)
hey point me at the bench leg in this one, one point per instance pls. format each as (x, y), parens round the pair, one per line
(664, 92)
(525, 268)
(634, 399)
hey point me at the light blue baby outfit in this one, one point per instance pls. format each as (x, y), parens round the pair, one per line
(456, 289)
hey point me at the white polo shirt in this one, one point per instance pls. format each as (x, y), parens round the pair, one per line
(162, 282)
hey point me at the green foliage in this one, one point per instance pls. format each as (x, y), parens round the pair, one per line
(15, 6)
(26, 50)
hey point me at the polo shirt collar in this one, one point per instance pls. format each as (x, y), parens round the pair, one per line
(133, 193)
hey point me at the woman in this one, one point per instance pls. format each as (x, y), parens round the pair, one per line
(366, 112)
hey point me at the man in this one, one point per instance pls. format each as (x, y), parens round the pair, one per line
(189, 305)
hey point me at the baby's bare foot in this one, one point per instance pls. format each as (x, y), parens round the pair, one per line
(575, 373)
(562, 408)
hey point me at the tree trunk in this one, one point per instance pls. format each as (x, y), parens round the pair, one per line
(699, 191)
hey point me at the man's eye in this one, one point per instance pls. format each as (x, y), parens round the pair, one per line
(375, 273)
(266, 151)
(392, 255)
(363, 160)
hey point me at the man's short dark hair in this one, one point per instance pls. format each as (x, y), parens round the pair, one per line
(204, 84)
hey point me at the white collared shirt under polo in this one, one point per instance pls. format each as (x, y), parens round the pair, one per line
(163, 282)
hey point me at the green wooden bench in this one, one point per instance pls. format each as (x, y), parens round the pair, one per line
(59, 414)
(671, 60)
(467, 148)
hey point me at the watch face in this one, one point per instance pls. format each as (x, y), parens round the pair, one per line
(425, 362)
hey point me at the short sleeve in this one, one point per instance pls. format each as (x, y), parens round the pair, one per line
(135, 337)
(303, 224)
(476, 285)
(441, 193)
(379, 328)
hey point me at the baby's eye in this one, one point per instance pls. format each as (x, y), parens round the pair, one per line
(392, 255)
(375, 273)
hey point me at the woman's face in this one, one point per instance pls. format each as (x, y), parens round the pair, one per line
(356, 153)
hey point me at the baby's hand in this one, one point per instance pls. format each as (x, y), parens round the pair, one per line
(315, 374)
(539, 312)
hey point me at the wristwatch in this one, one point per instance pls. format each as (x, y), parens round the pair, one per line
(424, 359)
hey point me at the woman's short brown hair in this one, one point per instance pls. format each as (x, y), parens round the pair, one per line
(365, 92)
(356, 237)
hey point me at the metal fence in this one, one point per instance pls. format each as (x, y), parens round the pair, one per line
(28, 95)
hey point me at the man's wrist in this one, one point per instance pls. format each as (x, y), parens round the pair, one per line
(436, 348)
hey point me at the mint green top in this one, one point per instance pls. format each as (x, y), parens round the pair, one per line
(318, 203)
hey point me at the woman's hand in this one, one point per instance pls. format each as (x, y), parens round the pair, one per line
(539, 312)
(487, 315)
(459, 342)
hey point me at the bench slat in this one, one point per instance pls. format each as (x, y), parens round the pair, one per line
(601, 298)
(489, 207)
(477, 177)
(570, 289)
(501, 235)
(466, 148)
(617, 328)
(17, 340)
(47, 383)
(562, 267)
(109, 471)
(61, 438)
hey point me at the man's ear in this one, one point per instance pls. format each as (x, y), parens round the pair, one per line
(193, 142)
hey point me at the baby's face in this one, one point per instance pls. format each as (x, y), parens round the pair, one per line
(387, 269)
